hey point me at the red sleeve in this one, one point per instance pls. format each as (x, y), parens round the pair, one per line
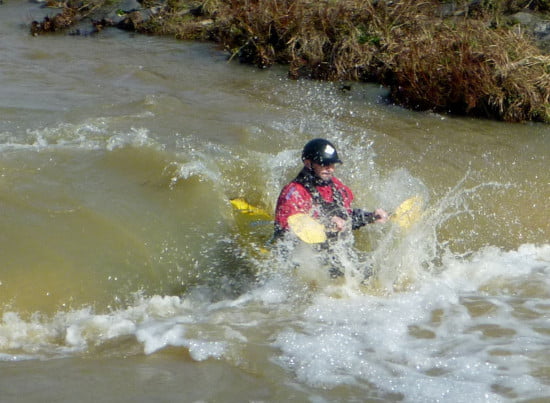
(294, 198)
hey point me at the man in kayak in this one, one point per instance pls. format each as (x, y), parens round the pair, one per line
(318, 193)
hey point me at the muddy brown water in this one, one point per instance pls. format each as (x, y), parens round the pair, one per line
(125, 276)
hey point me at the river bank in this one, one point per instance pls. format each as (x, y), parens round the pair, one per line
(464, 59)
(467, 58)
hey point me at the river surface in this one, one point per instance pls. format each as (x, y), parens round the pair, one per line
(126, 276)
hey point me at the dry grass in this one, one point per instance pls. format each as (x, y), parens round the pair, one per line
(471, 70)
(471, 64)
(462, 66)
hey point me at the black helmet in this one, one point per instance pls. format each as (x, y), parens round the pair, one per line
(320, 151)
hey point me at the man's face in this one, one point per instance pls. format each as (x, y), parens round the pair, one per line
(325, 172)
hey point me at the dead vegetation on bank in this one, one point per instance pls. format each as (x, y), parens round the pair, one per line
(459, 57)
(71, 12)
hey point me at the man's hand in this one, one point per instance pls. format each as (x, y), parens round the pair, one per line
(338, 224)
(380, 215)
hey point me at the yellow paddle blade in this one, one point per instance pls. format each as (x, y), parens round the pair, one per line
(246, 208)
(307, 228)
(408, 212)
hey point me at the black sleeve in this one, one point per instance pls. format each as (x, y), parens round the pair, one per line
(360, 218)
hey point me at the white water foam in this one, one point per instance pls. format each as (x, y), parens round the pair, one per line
(426, 344)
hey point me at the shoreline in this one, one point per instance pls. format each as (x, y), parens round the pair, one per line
(457, 58)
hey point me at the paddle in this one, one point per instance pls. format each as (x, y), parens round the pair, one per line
(408, 212)
(309, 230)
(244, 207)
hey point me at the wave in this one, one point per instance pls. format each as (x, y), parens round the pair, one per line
(452, 334)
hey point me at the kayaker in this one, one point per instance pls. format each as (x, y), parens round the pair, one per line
(317, 192)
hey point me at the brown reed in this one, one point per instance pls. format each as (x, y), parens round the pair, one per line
(471, 62)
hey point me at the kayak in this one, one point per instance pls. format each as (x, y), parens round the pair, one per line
(315, 261)
(307, 228)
